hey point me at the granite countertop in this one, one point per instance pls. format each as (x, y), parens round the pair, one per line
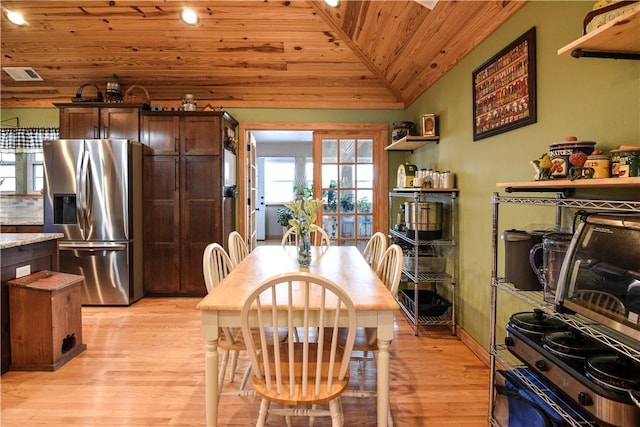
(11, 240)
(21, 221)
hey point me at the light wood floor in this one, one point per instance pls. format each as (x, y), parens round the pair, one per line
(144, 366)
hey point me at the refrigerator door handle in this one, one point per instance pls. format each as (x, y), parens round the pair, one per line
(81, 193)
(92, 247)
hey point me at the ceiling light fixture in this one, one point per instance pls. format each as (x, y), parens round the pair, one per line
(332, 3)
(189, 16)
(15, 17)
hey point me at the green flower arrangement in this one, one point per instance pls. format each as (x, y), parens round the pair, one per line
(304, 214)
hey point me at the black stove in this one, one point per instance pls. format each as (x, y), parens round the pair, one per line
(607, 402)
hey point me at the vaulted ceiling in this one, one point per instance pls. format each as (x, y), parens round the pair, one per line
(244, 54)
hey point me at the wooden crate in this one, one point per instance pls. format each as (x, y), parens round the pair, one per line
(46, 320)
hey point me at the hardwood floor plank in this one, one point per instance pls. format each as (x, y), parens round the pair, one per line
(144, 366)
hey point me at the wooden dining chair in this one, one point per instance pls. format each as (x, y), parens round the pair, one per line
(216, 265)
(299, 374)
(390, 268)
(376, 246)
(237, 248)
(319, 237)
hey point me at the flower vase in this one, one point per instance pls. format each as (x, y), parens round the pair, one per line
(304, 250)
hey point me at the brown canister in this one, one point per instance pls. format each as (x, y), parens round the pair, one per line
(600, 165)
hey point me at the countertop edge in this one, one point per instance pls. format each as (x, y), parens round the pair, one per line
(12, 240)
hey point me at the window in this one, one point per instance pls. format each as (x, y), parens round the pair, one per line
(7, 173)
(37, 172)
(279, 178)
(281, 175)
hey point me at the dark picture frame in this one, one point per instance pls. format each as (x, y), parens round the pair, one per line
(504, 89)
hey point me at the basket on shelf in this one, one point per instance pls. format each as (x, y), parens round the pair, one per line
(83, 98)
(137, 95)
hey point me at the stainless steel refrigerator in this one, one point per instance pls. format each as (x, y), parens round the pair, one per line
(93, 194)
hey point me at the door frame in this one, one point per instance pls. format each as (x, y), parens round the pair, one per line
(379, 132)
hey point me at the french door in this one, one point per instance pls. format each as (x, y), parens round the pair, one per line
(345, 178)
(350, 174)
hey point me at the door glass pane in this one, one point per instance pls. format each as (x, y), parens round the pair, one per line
(365, 226)
(347, 150)
(347, 176)
(365, 201)
(364, 174)
(329, 176)
(330, 225)
(347, 225)
(329, 151)
(365, 151)
(347, 201)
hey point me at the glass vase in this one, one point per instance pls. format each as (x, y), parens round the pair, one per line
(304, 250)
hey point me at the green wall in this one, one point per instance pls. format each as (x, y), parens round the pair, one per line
(593, 99)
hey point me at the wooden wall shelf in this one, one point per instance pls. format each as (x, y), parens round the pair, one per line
(411, 142)
(616, 39)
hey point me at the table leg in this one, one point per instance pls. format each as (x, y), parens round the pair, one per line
(383, 382)
(211, 392)
(385, 334)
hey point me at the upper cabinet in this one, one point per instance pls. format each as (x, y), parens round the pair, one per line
(616, 39)
(103, 121)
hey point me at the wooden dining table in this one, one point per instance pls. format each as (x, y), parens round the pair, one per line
(344, 265)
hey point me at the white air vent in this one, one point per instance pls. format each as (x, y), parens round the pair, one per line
(22, 74)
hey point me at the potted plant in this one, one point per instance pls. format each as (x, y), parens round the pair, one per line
(284, 215)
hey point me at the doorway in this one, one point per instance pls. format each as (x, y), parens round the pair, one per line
(376, 133)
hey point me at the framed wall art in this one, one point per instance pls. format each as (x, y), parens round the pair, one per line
(504, 89)
(428, 125)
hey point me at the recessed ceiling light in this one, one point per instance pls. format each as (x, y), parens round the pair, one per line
(332, 3)
(189, 16)
(15, 17)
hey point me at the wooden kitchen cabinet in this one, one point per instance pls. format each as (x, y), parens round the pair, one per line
(183, 192)
(91, 121)
(39, 255)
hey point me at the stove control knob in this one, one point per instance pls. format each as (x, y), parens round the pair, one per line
(508, 341)
(584, 399)
(542, 365)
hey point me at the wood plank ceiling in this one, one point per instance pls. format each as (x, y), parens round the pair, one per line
(244, 54)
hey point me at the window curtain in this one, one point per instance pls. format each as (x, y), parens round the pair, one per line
(25, 140)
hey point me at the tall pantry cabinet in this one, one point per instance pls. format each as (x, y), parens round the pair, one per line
(183, 196)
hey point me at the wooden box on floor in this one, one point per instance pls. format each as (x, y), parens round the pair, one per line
(46, 322)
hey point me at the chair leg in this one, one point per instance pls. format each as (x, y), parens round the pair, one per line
(234, 365)
(245, 377)
(337, 419)
(262, 414)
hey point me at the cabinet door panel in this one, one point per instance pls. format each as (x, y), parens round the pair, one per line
(121, 123)
(201, 135)
(161, 225)
(79, 123)
(201, 219)
(161, 133)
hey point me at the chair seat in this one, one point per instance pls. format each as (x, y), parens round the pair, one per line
(297, 398)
